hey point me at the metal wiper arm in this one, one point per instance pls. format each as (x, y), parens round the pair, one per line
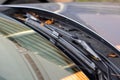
(55, 34)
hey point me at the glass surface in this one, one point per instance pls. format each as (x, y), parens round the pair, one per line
(55, 64)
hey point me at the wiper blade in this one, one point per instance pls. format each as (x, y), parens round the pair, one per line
(56, 34)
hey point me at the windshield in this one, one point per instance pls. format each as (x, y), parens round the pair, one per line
(43, 57)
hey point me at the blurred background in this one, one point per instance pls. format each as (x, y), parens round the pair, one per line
(47, 1)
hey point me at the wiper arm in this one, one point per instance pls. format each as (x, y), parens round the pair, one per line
(56, 33)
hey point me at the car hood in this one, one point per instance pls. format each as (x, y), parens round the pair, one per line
(101, 17)
(105, 25)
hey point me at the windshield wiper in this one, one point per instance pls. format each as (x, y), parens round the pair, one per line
(93, 59)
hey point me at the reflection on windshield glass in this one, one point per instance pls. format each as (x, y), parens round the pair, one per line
(53, 61)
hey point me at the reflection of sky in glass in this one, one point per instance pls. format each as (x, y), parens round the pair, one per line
(108, 26)
(49, 56)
